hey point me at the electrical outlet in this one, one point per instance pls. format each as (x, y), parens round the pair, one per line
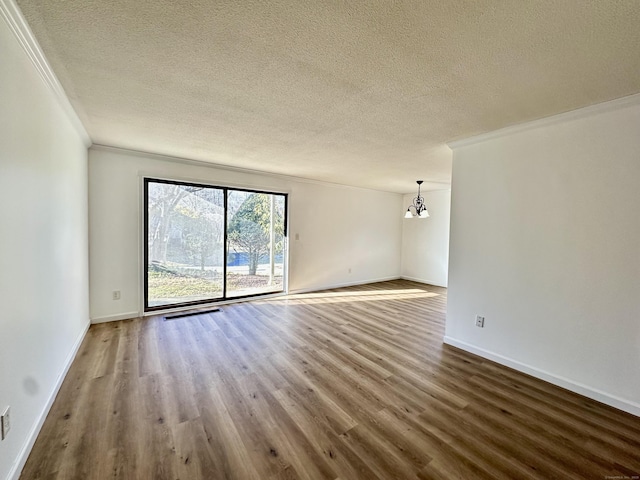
(6, 423)
(349, 270)
(479, 321)
(116, 294)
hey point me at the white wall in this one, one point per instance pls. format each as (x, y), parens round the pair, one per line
(425, 241)
(338, 227)
(545, 242)
(43, 251)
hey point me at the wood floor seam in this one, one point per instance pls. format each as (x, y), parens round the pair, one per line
(348, 384)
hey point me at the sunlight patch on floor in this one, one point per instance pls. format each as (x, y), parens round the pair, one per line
(354, 296)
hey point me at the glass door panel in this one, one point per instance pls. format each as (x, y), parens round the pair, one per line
(185, 243)
(255, 242)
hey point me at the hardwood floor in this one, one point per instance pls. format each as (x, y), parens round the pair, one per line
(353, 383)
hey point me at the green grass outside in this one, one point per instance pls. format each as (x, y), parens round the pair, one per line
(166, 285)
(163, 285)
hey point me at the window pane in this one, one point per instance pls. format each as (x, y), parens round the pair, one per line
(256, 242)
(185, 243)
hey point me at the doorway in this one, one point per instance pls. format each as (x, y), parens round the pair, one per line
(208, 243)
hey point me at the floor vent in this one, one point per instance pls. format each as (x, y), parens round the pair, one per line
(189, 314)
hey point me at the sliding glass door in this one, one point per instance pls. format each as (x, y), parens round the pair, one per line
(206, 243)
(255, 226)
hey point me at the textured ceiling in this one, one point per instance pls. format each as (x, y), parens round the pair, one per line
(363, 93)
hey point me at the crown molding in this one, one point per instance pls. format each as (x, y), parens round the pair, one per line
(231, 168)
(618, 103)
(12, 15)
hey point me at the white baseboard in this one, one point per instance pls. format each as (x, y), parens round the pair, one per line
(114, 318)
(340, 285)
(212, 304)
(422, 280)
(584, 390)
(127, 316)
(23, 455)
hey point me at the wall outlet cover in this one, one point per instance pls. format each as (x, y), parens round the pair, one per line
(5, 421)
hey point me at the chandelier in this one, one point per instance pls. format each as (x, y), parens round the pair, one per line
(419, 208)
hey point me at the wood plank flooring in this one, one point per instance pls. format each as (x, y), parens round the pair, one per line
(347, 384)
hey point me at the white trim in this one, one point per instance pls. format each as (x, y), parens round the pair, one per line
(231, 168)
(421, 280)
(23, 34)
(579, 388)
(266, 296)
(340, 285)
(616, 104)
(131, 315)
(115, 318)
(23, 455)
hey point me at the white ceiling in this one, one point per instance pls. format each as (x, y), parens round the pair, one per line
(363, 93)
